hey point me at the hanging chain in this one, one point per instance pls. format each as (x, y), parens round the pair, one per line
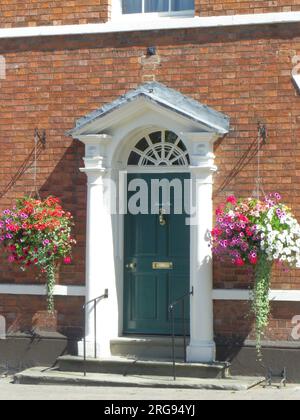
(261, 139)
(38, 139)
(36, 142)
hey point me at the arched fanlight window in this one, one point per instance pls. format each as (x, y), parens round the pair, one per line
(161, 148)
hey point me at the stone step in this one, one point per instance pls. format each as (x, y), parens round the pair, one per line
(128, 367)
(147, 347)
(44, 376)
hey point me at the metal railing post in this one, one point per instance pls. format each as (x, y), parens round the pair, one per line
(173, 343)
(95, 329)
(184, 331)
(95, 302)
(171, 310)
(84, 345)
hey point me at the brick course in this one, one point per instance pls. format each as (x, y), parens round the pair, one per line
(235, 7)
(17, 13)
(245, 73)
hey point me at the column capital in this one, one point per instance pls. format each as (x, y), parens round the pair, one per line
(206, 169)
(95, 175)
(200, 146)
(203, 174)
(200, 137)
(96, 150)
(95, 138)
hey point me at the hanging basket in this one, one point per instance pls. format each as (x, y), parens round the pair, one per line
(38, 233)
(257, 233)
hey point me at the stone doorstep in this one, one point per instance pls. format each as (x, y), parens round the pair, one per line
(127, 366)
(44, 376)
(147, 346)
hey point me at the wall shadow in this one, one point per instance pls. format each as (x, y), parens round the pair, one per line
(26, 165)
(194, 36)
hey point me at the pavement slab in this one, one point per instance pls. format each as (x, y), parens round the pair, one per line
(12, 392)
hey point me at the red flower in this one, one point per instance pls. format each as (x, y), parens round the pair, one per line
(68, 260)
(12, 228)
(243, 218)
(216, 232)
(239, 262)
(253, 260)
(249, 232)
(231, 199)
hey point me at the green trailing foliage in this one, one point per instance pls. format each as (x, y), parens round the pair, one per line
(260, 299)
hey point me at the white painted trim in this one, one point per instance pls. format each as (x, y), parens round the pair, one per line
(275, 295)
(78, 291)
(149, 25)
(296, 78)
(218, 294)
(40, 290)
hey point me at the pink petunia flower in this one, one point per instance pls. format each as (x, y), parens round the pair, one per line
(232, 200)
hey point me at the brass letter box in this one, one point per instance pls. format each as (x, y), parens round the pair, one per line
(162, 265)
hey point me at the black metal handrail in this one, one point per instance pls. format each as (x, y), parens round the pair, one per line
(95, 302)
(181, 301)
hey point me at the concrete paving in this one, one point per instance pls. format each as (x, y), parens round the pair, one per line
(9, 391)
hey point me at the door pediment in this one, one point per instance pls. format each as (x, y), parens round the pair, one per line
(157, 95)
(110, 131)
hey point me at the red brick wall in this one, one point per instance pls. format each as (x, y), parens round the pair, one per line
(235, 7)
(15, 13)
(232, 321)
(245, 74)
(19, 312)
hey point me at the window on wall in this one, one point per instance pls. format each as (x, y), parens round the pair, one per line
(167, 7)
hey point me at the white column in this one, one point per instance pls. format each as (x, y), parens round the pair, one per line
(100, 269)
(202, 348)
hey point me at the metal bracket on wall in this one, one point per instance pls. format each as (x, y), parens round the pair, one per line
(40, 137)
(151, 51)
(262, 132)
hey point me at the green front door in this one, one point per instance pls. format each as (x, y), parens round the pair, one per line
(157, 258)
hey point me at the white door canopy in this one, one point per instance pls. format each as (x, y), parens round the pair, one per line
(112, 132)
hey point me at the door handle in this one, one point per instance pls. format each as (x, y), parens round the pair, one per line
(162, 217)
(131, 266)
